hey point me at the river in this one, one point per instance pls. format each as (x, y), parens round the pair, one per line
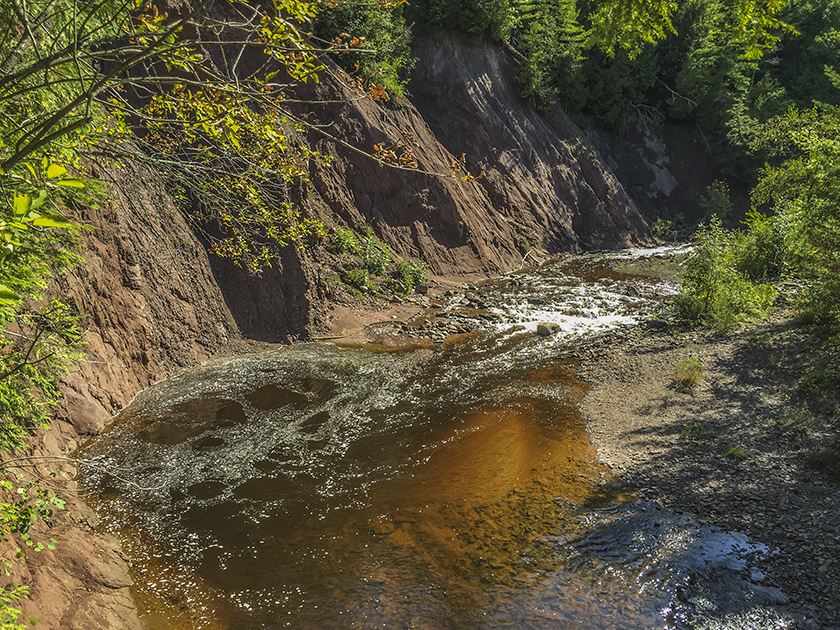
(405, 483)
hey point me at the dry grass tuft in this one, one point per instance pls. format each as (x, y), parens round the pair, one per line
(689, 373)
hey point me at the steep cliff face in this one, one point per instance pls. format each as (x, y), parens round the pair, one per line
(539, 176)
(665, 168)
(542, 186)
(155, 302)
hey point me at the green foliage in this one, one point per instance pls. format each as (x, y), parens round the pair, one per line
(805, 193)
(369, 259)
(715, 201)
(801, 61)
(661, 228)
(548, 34)
(715, 292)
(735, 453)
(630, 24)
(9, 616)
(344, 241)
(473, 17)
(818, 382)
(378, 51)
(669, 228)
(39, 338)
(689, 373)
(359, 277)
(412, 273)
(618, 86)
(764, 249)
(31, 504)
(376, 255)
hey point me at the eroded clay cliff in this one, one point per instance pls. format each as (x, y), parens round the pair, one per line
(542, 186)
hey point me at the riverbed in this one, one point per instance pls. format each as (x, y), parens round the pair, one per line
(440, 476)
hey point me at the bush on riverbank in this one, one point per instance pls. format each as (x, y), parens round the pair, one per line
(715, 291)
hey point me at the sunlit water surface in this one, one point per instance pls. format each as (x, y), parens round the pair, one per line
(325, 487)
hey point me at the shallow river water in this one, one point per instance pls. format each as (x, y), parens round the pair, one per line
(429, 486)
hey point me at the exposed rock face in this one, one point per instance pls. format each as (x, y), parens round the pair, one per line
(664, 167)
(542, 187)
(539, 176)
(155, 302)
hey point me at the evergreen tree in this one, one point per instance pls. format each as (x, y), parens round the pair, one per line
(548, 34)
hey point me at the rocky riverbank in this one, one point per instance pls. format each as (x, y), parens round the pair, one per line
(735, 449)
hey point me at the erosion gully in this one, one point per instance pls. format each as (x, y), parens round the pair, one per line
(441, 477)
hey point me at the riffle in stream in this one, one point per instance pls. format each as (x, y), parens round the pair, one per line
(446, 486)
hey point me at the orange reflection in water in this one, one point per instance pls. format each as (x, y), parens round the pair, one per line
(440, 544)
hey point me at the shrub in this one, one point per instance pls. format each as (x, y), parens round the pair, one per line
(689, 373)
(375, 254)
(735, 453)
(764, 251)
(661, 228)
(411, 272)
(344, 241)
(714, 291)
(715, 201)
(358, 277)
(817, 382)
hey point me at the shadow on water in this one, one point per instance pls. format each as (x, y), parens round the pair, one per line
(326, 487)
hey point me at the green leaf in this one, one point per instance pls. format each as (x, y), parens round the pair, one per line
(71, 182)
(21, 204)
(52, 222)
(7, 296)
(40, 200)
(55, 170)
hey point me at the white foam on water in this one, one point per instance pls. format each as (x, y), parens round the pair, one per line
(637, 253)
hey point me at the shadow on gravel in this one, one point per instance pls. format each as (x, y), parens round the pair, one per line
(747, 436)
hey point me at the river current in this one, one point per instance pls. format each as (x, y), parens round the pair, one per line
(406, 485)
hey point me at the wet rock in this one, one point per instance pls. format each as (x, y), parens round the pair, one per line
(545, 329)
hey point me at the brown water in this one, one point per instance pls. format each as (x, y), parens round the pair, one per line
(326, 487)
